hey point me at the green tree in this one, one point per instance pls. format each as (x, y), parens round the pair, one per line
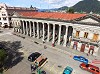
(2, 58)
(70, 10)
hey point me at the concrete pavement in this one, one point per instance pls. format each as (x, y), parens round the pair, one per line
(57, 55)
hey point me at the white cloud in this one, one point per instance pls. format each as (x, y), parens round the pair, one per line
(60, 3)
(52, 1)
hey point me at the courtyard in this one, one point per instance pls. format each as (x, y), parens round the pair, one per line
(57, 56)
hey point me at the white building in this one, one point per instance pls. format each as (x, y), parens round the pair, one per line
(79, 31)
(7, 11)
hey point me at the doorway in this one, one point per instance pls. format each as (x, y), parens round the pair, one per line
(82, 47)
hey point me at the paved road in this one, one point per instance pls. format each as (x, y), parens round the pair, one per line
(55, 58)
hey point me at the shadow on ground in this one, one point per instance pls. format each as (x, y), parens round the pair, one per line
(13, 55)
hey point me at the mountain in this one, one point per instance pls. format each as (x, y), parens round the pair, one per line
(87, 6)
(63, 8)
(47, 10)
(54, 9)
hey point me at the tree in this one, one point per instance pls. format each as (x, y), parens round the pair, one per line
(70, 10)
(2, 58)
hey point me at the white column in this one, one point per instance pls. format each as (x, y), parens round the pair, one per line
(43, 32)
(65, 37)
(14, 29)
(90, 35)
(48, 32)
(74, 32)
(26, 29)
(19, 27)
(23, 27)
(59, 34)
(81, 34)
(53, 34)
(14, 26)
(30, 29)
(37, 30)
(34, 30)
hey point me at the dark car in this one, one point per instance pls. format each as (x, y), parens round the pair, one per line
(33, 56)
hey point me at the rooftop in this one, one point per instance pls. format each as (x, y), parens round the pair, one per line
(52, 15)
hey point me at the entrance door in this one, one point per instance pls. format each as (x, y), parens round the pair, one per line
(91, 50)
(75, 45)
(82, 47)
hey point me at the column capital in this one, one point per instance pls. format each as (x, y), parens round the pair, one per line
(60, 25)
(66, 26)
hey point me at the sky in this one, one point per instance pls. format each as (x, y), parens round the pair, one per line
(40, 4)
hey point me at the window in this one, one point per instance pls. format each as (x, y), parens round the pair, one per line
(87, 65)
(85, 35)
(3, 14)
(97, 71)
(95, 37)
(93, 69)
(10, 18)
(4, 18)
(77, 33)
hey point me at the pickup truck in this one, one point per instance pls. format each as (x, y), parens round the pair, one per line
(40, 61)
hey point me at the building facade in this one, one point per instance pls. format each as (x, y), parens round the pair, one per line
(80, 32)
(7, 11)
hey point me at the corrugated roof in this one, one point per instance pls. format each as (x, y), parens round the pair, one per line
(52, 15)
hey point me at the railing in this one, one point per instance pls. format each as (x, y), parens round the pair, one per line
(85, 40)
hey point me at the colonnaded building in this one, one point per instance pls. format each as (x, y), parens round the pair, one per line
(7, 11)
(79, 31)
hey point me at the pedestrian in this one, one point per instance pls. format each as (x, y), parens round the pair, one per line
(87, 54)
(45, 47)
(33, 68)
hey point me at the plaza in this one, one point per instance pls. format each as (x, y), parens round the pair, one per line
(57, 56)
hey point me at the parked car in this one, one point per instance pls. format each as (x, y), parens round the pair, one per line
(43, 72)
(81, 59)
(41, 60)
(68, 70)
(91, 68)
(33, 67)
(33, 56)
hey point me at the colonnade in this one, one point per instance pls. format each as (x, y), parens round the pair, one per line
(32, 29)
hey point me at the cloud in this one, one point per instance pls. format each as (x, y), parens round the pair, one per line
(60, 3)
(52, 1)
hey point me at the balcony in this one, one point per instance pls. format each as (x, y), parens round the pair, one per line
(86, 40)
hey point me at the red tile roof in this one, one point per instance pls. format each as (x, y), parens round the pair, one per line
(52, 15)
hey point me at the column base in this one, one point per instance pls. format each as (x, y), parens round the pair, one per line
(47, 40)
(58, 43)
(64, 45)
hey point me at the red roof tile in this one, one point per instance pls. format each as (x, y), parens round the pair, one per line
(52, 15)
